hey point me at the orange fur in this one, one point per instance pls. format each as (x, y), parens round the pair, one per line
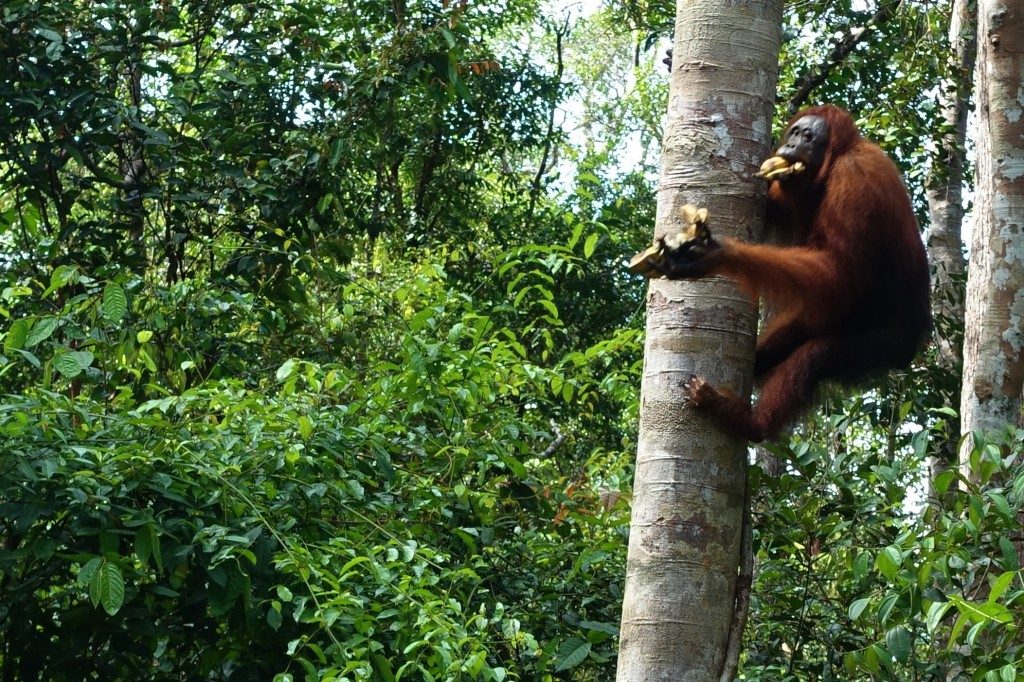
(850, 291)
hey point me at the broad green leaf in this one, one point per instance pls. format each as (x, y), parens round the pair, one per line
(65, 363)
(590, 245)
(888, 562)
(571, 653)
(943, 481)
(324, 203)
(1000, 503)
(17, 334)
(61, 277)
(107, 588)
(577, 232)
(86, 573)
(41, 331)
(274, 617)
(336, 148)
(143, 543)
(286, 370)
(305, 427)
(32, 359)
(898, 642)
(1000, 585)
(146, 360)
(886, 606)
(935, 614)
(115, 302)
(83, 357)
(857, 608)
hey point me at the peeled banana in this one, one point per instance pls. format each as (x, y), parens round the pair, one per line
(694, 235)
(777, 167)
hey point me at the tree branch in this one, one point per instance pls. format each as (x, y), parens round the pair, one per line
(560, 34)
(555, 444)
(814, 77)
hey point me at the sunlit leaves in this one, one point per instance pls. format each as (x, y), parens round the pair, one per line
(16, 335)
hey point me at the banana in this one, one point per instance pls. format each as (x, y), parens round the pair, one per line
(694, 235)
(777, 167)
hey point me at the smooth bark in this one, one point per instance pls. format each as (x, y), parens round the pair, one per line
(684, 546)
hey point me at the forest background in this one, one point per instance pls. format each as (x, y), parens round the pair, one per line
(320, 360)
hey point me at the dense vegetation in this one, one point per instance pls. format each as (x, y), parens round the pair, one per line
(319, 361)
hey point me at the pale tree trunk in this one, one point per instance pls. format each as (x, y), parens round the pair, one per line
(688, 494)
(946, 211)
(994, 325)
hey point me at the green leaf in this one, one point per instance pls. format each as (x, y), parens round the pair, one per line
(83, 357)
(1001, 505)
(935, 614)
(67, 365)
(274, 617)
(572, 652)
(607, 628)
(115, 302)
(577, 232)
(958, 627)
(144, 336)
(17, 334)
(898, 642)
(1011, 560)
(590, 245)
(886, 606)
(305, 427)
(1000, 585)
(86, 573)
(943, 481)
(857, 608)
(41, 331)
(972, 634)
(336, 149)
(286, 370)
(146, 360)
(32, 359)
(324, 203)
(888, 561)
(383, 669)
(860, 565)
(61, 277)
(143, 543)
(107, 588)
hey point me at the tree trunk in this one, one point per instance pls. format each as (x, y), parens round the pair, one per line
(994, 325)
(946, 214)
(684, 545)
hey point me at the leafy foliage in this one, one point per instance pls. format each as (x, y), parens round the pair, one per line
(351, 521)
(855, 582)
(318, 360)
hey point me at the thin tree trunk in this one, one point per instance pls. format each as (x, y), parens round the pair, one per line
(946, 213)
(684, 545)
(994, 325)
